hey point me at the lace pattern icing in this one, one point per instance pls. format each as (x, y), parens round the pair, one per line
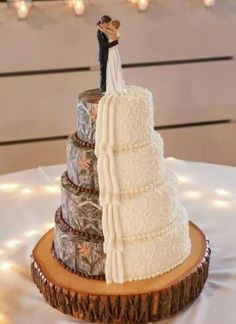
(148, 212)
(134, 118)
(136, 192)
(109, 189)
(146, 160)
(142, 213)
(168, 248)
(149, 258)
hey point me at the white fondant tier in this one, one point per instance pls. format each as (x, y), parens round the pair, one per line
(149, 212)
(143, 213)
(142, 166)
(133, 119)
(154, 256)
(145, 160)
(139, 199)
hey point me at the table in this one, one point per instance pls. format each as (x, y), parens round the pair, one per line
(29, 199)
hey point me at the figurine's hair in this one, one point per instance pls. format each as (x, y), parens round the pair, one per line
(116, 23)
(105, 19)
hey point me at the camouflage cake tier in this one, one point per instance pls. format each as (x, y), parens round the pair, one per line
(87, 114)
(78, 236)
(78, 251)
(81, 163)
(80, 209)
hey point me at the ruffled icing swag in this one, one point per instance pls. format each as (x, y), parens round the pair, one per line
(109, 190)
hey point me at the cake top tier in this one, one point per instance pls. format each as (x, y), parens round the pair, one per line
(133, 115)
(90, 96)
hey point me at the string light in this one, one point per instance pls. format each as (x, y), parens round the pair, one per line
(26, 191)
(52, 189)
(5, 265)
(183, 179)
(79, 7)
(9, 186)
(31, 233)
(12, 244)
(49, 225)
(221, 203)
(70, 3)
(193, 194)
(209, 3)
(3, 319)
(170, 158)
(222, 192)
(143, 5)
(23, 9)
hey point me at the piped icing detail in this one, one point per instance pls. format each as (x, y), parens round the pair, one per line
(109, 194)
(125, 189)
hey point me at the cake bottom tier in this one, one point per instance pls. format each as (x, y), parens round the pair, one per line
(82, 253)
(79, 252)
(142, 301)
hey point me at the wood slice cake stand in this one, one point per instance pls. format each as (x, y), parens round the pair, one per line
(140, 301)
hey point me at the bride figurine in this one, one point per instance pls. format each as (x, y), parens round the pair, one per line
(114, 76)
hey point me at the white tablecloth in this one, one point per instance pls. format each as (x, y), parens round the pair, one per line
(28, 201)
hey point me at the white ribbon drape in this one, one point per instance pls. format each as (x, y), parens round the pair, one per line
(109, 191)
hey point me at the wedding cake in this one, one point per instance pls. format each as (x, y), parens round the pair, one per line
(120, 217)
(123, 249)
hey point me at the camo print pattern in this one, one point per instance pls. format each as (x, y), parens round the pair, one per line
(81, 210)
(87, 114)
(86, 121)
(80, 255)
(81, 164)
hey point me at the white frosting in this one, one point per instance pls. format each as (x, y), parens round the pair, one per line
(109, 189)
(144, 224)
(151, 257)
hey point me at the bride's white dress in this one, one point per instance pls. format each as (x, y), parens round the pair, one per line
(114, 78)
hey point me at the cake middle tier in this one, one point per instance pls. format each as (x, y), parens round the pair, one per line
(137, 167)
(143, 257)
(143, 214)
(80, 207)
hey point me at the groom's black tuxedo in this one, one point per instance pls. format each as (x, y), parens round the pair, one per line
(104, 46)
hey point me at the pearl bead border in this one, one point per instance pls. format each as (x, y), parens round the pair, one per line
(162, 271)
(159, 233)
(117, 148)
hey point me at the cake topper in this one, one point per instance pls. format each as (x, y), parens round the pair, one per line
(111, 76)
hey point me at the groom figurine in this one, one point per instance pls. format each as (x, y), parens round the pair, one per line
(104, 46)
